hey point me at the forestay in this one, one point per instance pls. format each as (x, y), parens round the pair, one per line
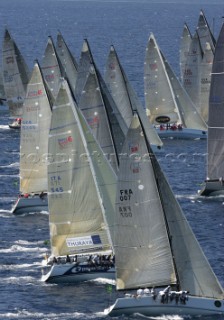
(76, 214)
(34, 130)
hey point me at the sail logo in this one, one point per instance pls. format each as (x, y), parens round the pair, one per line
(83, 241)
(112, 66)
(35, 93)
(93, 122)
(133, 147)
(9, 60)
(135, 167)
(153, 66)
(49, 77)
(64, 142)
(162, 119)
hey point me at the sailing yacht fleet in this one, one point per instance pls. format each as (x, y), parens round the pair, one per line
(88, 157)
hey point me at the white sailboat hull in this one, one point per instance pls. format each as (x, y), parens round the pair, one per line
(184, 133)
(73, 273)
(147, 306)
(213, 188)
(31, 204)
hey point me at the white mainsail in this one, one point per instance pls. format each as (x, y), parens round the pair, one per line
(77, 222)
(206, 69)
(215, 165)
(184, 48)
(125, 97)
(143, 255)
(159, 96)
(68, 61)
(190, 116)
(204, 32)
(154, 244)
(15, 75)
(34, 130)
(85, 61)
(50, 67)
(192, 73)
(93, 108)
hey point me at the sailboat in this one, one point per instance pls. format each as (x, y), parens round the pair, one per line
(15, 79)
(167, 105)
(184, 48)
(154, 244)
(214, 184)
(204, 32)
(51, 67)
(126, 99)
(34, 146)
(81, 192)
(68, 61)
(85, 61)
(94, 110)
(192, 77)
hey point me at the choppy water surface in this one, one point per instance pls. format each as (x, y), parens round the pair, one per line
(23, 238)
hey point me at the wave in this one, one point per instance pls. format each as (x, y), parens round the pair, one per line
(5, 127)
(104, 281)
(17, 248)
(25, 314)
(18, 266)
(11, 165)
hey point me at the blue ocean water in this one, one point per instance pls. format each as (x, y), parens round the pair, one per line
(126, 25)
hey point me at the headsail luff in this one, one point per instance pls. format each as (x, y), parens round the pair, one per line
(15, 75)
(184, 48)
(143, 255)
(51, 68)
(215, 165)
(190, 116)
(34, 130)
(192, 74)
(159, 96)
(125, 96)
(76, 214)
(68, 61)
(93, 108)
